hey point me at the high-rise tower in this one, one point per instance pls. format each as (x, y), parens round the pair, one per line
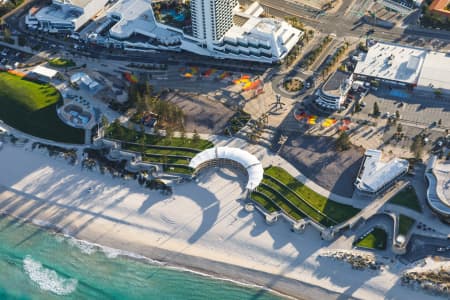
(211, 19)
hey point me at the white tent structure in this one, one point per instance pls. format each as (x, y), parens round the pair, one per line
(234, 157)
(83, 78)
(44, 72)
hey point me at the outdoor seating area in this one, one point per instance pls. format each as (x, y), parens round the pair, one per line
(309, 119)
(245, 81)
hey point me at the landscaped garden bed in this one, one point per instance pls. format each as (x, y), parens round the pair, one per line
(293, 85)
(61, 62)
(405, 224)
(407, 198)
(375, 239)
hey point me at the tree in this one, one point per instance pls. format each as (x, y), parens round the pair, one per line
(196, 136)
(104, 121)
(7, 35)
(343, 142)
(417, 146)
(440, 122)
(357, 107)
(183, 135)
(437, 92)
(399, 128)
(376, 110)
(397, 114)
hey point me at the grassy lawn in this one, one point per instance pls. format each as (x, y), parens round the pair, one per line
(165, 159)
(155, 150)
(128, 135)
(298, 202)
(61, 63)
(178, 169)
(336, 211)
(264, 201)
(376, 239)
(31, 107)
(405, 224)
(407, 198)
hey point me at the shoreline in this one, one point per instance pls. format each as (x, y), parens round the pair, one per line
(287, 289)
(203, 227)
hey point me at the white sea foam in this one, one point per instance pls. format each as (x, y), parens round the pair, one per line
(85, 247)
(48, 280)
(89, 248)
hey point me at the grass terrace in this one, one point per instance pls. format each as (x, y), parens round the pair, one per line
(61, 63)
(299, 201)
(375, 239)
(31, 107)
(264, 201)
(173, 153)
(407, 198)
(405, 224)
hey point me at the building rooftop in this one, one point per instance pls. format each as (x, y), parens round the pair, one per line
(334, 83)
(136, 17)
(436, 71)
(375, 174)
(55, 13)
(246, 160)
(438, 192)
(392, 62)
(439, 6)
(78, 3)
(44, 71)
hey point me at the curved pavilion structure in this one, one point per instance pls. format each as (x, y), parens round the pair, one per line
(230, 157)
(438, 194)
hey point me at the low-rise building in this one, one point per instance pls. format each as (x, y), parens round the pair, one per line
(405, 66)
(63, 16)
(375, 176)
(331, 96)
(440, 8)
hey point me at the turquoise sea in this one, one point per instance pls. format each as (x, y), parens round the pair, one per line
(38, 264)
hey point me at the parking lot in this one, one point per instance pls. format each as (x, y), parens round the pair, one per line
(423, 110)
(12, 58)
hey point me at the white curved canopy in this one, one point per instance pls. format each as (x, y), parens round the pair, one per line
(246, 160)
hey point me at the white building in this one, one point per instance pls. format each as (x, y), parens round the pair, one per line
(331, 96)
(63, 15)
(44, 73)
(391, 63)
(375, 175)
(211, 19)
(399, 65)
(219, 30)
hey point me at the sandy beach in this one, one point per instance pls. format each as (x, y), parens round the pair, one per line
(202, 226)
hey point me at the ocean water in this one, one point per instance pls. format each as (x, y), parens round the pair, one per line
(38, 264)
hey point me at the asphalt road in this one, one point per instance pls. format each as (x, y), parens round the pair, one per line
(420, 247)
